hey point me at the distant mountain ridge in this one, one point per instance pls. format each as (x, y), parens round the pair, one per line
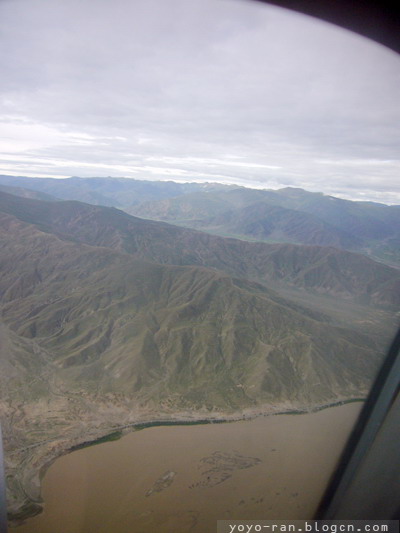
(27, 193)
(323, 269)
(262, 221)
(288, 215)
(111, 192)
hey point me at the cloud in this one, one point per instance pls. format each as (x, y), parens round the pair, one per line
(155, 88)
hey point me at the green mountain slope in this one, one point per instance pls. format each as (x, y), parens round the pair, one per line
(195, 206)
(198, 205)
(366, 227)
(94, 340)
(169, 326)
(365, 219)
(288, 215)
(320, 269)
(264, 222)
(108, 320)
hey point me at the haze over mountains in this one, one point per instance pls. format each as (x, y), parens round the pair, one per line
(109, 319)
(116, 192)
(286, 215)
(314, 268)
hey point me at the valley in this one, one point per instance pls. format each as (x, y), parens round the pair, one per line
(112, 322)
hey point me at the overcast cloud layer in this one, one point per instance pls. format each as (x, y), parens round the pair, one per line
(197, 90)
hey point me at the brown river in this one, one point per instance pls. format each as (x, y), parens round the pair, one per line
(178, 479)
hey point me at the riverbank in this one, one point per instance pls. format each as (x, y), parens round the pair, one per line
(39, 457)
(118, 432)
(171, 476)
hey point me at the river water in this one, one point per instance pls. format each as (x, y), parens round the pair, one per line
(179, 479)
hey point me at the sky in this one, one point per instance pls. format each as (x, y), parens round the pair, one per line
(229, 91)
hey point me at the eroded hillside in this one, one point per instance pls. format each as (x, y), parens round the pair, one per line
(98, 336)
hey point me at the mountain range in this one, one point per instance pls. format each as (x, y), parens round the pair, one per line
(109, 320)
(112, 192)
(289, 215)
(286, 215)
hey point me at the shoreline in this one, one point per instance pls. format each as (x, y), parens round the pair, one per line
(34, 506)
(138, 426)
